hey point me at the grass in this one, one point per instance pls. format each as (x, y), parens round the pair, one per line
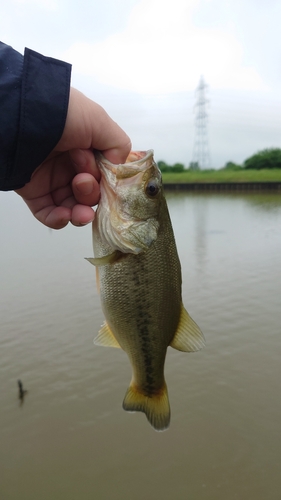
(228, 176)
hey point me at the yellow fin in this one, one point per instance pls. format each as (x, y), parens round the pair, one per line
(188, 337)
(105, 337)
(107, 259)
(156, 407)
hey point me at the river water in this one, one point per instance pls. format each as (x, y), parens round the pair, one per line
(70, 439)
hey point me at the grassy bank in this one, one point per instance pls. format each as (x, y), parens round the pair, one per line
(227, 176)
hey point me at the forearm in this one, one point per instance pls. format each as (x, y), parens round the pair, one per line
(34, 94)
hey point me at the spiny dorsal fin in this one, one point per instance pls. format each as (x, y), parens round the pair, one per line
(188, 337)
(105, 337)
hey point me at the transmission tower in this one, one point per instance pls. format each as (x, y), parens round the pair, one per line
(201, 155)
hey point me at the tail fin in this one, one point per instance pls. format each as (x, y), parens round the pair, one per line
(156, 407)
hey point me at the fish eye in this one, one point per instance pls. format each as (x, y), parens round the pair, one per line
(152, 188)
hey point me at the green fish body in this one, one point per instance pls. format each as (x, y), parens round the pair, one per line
(139, 278)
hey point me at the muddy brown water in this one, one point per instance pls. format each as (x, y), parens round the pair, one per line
(70, 439)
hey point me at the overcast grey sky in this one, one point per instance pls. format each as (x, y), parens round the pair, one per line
(142, 60)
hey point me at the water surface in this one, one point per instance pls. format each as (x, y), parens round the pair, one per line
(71, 439)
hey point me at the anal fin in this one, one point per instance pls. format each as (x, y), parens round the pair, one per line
(188, 337)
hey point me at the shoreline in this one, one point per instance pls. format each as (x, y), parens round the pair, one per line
(224, 186)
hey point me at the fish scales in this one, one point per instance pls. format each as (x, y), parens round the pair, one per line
(140, 281)
(149, 323)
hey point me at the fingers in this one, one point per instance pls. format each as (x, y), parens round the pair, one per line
(53, 216)
(86, 189)
(84, 194)
(60, 208)
(84, 161)
(82, 215)
(58, 217)
(85, 184)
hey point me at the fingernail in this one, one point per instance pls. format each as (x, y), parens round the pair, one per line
(85, 223)
(84, 187)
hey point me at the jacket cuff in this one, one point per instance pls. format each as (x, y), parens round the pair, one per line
(43, 111)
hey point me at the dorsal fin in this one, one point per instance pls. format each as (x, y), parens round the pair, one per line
(105, 337)
(188, 337)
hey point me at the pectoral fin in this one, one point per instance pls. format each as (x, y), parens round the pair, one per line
(188, 337)
(107, 259)
(105, 337)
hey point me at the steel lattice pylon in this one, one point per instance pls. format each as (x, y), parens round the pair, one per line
(201, 154)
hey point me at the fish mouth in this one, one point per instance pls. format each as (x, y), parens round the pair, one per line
(137, 157)
(129, 172)
(136, 162)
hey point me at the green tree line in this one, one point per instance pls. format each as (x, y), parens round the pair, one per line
(164, 167)
(265, 159)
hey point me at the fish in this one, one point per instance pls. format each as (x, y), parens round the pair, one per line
(138, 274)
(22, 392)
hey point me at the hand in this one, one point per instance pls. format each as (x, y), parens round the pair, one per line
(66, 185)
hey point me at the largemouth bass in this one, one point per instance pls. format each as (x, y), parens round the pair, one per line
(139, 278)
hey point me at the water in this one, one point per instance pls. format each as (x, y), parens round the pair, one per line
(71, 439)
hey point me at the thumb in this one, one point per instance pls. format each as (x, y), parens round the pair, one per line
(88, 126)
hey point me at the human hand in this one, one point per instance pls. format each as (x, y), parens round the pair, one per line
(66, 185)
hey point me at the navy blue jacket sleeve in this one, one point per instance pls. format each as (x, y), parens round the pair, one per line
(34, 94)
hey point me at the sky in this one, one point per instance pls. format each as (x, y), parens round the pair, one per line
(142, 61)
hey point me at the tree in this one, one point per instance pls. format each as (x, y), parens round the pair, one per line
(163, 166)
(177, 167)
(267, 158)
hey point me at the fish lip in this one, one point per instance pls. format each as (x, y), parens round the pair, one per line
(113, 173)
(145, 155)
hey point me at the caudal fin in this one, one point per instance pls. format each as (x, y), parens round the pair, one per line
(156, 407)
